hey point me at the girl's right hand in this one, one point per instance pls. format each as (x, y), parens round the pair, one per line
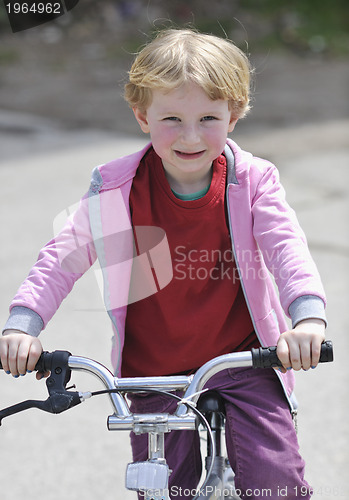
(19, 353)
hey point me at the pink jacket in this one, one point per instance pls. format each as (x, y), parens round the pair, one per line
(266, 238)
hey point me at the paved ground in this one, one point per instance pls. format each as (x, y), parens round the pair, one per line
(44, 170)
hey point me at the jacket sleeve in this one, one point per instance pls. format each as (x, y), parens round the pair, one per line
(285, 250)
(61, 262)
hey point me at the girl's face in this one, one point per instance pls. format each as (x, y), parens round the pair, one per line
(188, 131)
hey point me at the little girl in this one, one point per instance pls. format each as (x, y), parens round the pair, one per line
(188, 232)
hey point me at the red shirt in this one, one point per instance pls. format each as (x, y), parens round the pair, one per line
(202, 312)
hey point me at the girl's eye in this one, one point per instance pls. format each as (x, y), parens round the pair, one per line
(208, 118)
(171, 118)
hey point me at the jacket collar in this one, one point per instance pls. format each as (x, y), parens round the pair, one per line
(103, 177)
(231, 171)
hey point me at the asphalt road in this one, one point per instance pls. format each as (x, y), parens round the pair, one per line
(43, 170)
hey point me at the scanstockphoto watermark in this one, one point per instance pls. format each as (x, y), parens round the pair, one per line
(207, 492)
(210, 491)
(179, 492)
(26, 14)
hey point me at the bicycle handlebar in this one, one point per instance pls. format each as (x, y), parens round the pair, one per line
(60, 364)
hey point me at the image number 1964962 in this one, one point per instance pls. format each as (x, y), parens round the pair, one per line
(24, 15)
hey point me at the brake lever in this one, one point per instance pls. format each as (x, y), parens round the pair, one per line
(59, 398)
(57, 403)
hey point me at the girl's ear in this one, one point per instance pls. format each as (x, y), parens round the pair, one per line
(232, 123)
(141, 118)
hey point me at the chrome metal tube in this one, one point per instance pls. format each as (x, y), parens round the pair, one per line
(174, 423)
(115, 423)
(211, 368)
(171, 383)
(107, 378)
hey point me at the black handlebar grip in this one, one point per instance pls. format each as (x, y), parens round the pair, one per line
(265, 357)
(326, 355)
(46, 360)
(43, 363)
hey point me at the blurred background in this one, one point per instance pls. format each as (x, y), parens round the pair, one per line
(73, 69)
(62, 113)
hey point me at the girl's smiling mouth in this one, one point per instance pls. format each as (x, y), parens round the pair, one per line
(189, 156)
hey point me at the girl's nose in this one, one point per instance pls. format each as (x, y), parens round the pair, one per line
(190, 135)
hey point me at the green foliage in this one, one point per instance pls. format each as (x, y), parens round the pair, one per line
(303, 25)
(320, 26)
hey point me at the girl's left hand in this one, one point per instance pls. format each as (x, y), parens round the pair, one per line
(300, 348)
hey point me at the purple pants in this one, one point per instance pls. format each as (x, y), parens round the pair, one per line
(260, 437)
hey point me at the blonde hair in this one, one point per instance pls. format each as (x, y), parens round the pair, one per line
(176, 57)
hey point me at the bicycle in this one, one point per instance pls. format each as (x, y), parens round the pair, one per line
(196, 406)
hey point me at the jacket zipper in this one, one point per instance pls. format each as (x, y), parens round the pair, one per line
(292, 407)
(238, 268)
